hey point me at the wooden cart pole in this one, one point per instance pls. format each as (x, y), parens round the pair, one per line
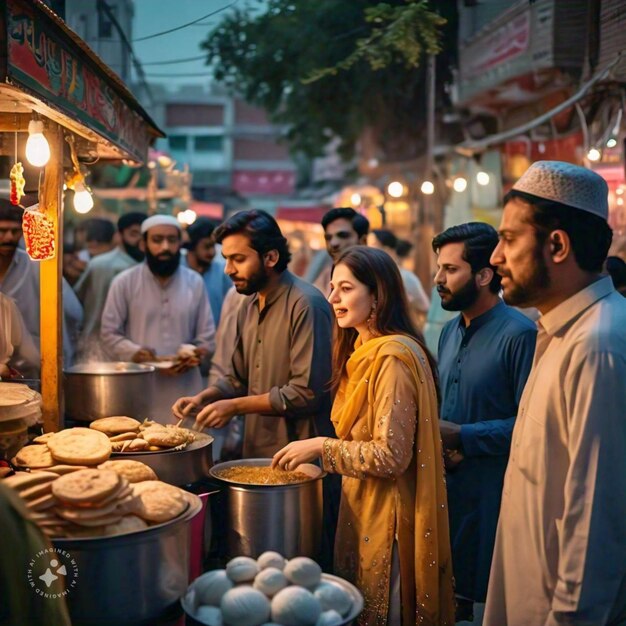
(50, 289)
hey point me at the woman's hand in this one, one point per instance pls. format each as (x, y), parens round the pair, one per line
(297, 452)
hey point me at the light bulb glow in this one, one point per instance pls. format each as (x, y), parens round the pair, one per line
(83, 202)
(395, 189)
(37, 148)
(620, 202)
(594, 154)
(427, 188)
(611, 143)
(619, 191)
(482, 178)
(186, 217)
(355, 199)
(460, 184)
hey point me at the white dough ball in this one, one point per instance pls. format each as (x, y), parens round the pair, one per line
(270, 581)
(209, 615)
(241, 569)
(303, 571)
(295, 606)
(210, 587)
(333, 597)
(329, 618)
(245, 606)
(272, 559)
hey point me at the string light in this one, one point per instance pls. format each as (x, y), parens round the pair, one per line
(37, 148)
(459, 184)
(611, 143)
(187, 217)
(620, 201)
(427, 188)
(482, 178)
(355, 199)
(83, 201)
(395, 189)
(594, 154)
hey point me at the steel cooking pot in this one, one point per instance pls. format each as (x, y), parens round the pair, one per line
(132, 579)
(95, 390)
(284, 518)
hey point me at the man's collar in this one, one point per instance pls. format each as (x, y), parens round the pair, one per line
(284, 282)
(561, 315)
(481, 319)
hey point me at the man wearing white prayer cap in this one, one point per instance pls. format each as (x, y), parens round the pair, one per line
(560, 554)
(153, 310)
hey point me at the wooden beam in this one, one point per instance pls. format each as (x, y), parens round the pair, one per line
(15, 122)
(51, 299)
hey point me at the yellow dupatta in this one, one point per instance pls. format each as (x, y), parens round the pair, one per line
(433, 562)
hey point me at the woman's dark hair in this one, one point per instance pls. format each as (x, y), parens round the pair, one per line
(589, 234)
(379, 273)
(263, 232)
(479, 241)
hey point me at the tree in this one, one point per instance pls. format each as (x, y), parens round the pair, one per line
(334, 68)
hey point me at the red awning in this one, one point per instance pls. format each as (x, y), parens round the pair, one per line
(311, 214)
(213, 210)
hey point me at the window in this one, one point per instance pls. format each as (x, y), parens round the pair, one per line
(208, 143)
(105, 25)
(178, 142)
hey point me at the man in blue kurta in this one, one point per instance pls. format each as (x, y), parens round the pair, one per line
(485, 355)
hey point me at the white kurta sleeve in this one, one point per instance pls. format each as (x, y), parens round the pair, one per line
(592, 532)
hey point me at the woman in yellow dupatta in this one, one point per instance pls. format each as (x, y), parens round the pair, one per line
(392, 539)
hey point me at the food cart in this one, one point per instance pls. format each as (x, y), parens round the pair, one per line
(50, 76)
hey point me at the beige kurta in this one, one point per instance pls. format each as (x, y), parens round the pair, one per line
(380, 462)
(560, 553)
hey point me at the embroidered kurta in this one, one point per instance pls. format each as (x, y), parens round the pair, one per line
(482, 371)
(389, 454)
(142, 312)
(560, 552)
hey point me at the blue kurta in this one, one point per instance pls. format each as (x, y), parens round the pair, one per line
(483, 369)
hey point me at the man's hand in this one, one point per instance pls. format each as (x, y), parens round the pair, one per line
(217, 414)
(144, 354)
(185, 406)
(450, 435)
(181, 365)
(297, 452)
(452, 459)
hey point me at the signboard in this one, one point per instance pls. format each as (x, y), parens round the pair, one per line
(44, 61)
(264, 182)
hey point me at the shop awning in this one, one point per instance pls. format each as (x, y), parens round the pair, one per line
(311, 214)
(213, 210)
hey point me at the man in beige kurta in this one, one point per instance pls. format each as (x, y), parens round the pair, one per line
(560, 554)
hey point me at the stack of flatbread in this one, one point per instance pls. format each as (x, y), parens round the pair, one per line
(129, 435)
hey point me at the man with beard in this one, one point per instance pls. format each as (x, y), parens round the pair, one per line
(93, 285)
(154, 308)
(560, 551)
(280, 367)
(19, 279)
(343, 228)
(201, 258)
(485, 355)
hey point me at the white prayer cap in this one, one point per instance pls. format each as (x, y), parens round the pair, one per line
(159, 220)
(568, 184)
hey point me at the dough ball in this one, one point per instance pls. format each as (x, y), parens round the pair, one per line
(303, 571)
(272, 559)
(242, 569)
(270, 581)
(210, 587)
(333, 597)
(245, 606)
(329, 618)
(295, 606)
(209, 615)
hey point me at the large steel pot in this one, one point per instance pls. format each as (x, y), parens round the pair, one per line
(133, 579)
(95, 390)
(284, 518)
(178, 467)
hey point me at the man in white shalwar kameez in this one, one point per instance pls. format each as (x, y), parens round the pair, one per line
(153, 309)
(560, 554)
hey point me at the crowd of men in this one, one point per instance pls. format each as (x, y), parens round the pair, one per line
(531, 424)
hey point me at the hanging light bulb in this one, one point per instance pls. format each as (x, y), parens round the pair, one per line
(620, 202)
(459, 184)
(37, 148)
(482, 178)
(594, 154)
(611, 143)
(395, 189)
(427, 188)
(355, 199)
(83, 202)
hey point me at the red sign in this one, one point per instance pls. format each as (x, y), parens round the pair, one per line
(47, 63)
(264, 182)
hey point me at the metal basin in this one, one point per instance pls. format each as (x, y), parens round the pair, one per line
(284, 518)
(178, 467)
(95, 390)
(133, 579)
